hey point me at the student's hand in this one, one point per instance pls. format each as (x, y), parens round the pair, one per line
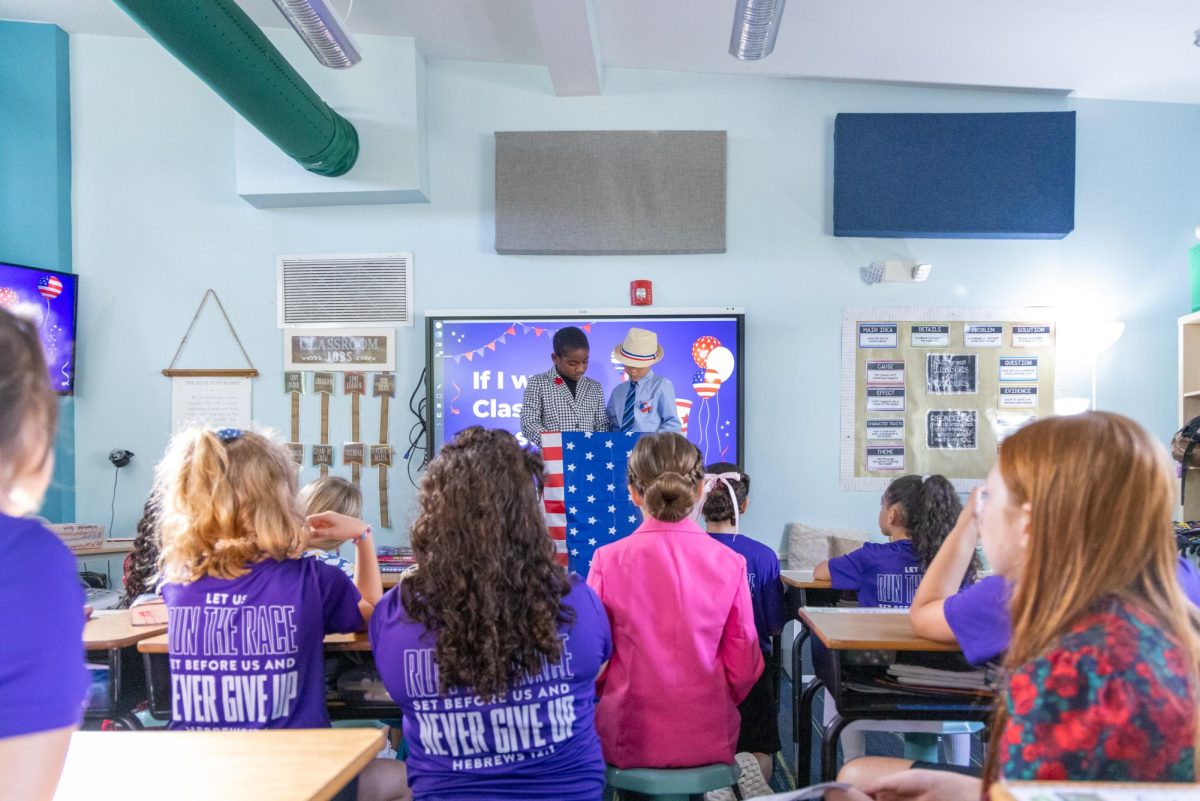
(846, 795)
(926, 785)
(337, 526)
(968, 519)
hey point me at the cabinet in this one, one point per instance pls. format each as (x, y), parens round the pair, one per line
(1189, 400)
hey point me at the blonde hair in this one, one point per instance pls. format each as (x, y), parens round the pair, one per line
(330, 494)
(1101, 493)
(665, 469)
(228, 500)
(28, 407)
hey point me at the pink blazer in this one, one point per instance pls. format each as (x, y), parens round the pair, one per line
(685, 651)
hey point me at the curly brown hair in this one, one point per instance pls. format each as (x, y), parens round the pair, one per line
(141, 568)
(487, 581)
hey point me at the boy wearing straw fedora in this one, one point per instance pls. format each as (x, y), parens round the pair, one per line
(646, 402)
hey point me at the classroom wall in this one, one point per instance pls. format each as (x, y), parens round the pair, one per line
(157, 222)
(35, 190)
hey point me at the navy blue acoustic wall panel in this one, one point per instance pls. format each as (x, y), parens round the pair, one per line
(954, 176)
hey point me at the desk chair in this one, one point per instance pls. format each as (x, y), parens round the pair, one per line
(678, 784)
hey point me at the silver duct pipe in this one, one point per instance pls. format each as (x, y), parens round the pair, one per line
(755, 26)
(321, 30)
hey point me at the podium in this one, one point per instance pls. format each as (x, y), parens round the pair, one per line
(586, 495)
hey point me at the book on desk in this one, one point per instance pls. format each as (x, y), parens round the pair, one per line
(148, 609)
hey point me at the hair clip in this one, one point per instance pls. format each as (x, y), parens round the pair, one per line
(228, 434)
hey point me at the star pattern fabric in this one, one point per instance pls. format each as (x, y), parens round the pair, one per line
(587, 493)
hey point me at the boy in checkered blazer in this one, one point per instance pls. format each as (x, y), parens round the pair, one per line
(563, 398)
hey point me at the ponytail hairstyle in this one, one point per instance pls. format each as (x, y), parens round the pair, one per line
(666, 470)
(718, 505)
(141, 571)
(1101, 492)
(228, 500)
(330, 494)
(487, 582)
(28, 412)
(929, 508)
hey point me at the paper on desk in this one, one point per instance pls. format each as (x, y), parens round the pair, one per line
(1095, 791)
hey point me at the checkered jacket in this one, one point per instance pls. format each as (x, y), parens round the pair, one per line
(549, 406)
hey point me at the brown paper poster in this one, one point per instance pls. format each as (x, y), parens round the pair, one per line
(935, 390)
(354, 385)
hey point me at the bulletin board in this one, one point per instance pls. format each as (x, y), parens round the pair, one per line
(936, 389)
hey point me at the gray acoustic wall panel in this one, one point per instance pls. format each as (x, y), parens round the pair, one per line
(610, 192)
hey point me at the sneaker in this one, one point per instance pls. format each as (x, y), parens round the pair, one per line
(751, 782)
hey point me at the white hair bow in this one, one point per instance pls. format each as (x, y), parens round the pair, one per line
(710, 481)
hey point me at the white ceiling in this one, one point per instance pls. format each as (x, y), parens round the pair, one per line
(1115, 49)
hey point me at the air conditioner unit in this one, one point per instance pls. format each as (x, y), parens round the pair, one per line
(345, 290)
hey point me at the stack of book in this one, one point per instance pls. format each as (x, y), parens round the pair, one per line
(395, 559)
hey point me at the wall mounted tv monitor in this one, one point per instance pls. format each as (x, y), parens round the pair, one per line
(479, 362)
(48, 298)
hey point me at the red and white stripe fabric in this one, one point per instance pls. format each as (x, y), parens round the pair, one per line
(553, 494)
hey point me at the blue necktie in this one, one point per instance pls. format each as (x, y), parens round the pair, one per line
(627, 418)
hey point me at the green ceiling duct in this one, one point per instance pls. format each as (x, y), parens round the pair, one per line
(225, 49)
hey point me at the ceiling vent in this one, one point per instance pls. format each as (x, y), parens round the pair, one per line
(347, 289)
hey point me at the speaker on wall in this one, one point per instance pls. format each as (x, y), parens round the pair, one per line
(610, 192)
(955, 176)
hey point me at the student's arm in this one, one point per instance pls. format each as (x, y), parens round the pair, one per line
(531, 412)
(611, 408)
(944, 576)
(32, 763)
(926, 785)
(821, 571)
(739, 652)
(668, 414)
(600, 414)
(333, 525)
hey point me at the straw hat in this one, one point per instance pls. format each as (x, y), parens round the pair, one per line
(640, 349)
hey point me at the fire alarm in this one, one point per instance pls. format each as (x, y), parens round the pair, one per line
(641, 292)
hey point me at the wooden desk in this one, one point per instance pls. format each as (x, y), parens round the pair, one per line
(1116, 791)
(844, 629)
(157, 676)
(803, 580)
(111, 629)
(866, 630)
(109, 548)
(281, 765)
(111, 632)
(333, 642)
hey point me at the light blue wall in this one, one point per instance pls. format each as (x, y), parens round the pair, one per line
(158, 223)
(35, 189)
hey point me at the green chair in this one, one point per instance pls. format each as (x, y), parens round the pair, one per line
(679, 784)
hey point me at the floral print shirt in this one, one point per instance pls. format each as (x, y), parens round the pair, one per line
(1111, 702)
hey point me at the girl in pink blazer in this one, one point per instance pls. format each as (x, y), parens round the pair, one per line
(685, 650)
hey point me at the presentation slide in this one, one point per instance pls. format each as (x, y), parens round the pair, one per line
(479, 366)
(47, 298)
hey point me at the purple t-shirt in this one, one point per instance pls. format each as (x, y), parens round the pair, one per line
(537, 742)
(883, 574)
(247, 653)
(43, 681)
(766, 588)
(1189, 579)
(978, 614)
